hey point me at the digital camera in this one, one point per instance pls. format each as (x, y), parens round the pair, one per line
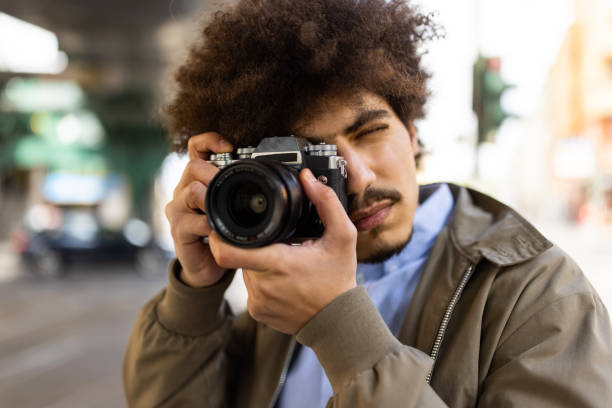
(256, 198)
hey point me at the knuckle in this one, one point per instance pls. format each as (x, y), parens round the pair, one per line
(168, 211)
(190, 142)
(188, 168)
(351, 232)
(209, 171)
(213, 250)
(174, 231)
(192, 166)
(201, 170)
(254, 308)
(222, 259)
(177, 189)
(177, 229)
(347, 234)
(266, 292)
(202, 141)
(195, 188)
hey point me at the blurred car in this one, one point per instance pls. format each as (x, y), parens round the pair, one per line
(69, 234)
(84, 219)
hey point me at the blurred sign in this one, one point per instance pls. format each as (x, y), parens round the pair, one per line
(67, 188)
(28, 48)
(36, 94)
(35, 151)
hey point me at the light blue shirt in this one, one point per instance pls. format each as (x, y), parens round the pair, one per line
(390, 285)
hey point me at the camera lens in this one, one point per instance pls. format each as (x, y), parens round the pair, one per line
(248, 204)
(253, 203)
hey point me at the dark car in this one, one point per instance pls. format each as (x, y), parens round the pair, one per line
(75, 225)
(69, 234)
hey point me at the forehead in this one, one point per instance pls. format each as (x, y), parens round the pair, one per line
(332, 115)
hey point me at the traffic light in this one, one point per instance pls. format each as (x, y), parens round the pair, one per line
(488, 88)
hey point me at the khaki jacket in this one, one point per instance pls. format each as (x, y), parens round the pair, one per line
(500, 318)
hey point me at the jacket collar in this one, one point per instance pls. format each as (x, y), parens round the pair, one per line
(481, 226)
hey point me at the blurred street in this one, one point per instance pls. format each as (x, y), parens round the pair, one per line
(62, 342)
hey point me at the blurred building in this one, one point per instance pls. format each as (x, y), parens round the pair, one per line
(104, 62)
(580, 112)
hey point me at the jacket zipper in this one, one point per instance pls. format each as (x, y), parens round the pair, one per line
(283, 376)
(434, 351)
(445, 320)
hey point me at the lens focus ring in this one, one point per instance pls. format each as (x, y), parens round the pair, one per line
(254, 203)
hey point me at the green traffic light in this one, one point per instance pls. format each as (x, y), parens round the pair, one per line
(488, 89)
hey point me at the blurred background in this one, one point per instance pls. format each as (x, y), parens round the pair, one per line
(521, 108)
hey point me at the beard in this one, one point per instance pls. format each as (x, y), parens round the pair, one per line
(384, 251)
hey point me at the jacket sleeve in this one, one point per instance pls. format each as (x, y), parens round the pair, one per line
(555, 347)
(179, 352)
(366, 365)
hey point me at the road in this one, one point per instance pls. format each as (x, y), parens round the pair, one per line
(62, 342)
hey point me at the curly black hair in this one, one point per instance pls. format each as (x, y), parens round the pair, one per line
(260, 63)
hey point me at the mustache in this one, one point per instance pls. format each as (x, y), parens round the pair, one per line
(373, 195)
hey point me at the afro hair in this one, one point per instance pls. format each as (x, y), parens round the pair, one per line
(260, 63)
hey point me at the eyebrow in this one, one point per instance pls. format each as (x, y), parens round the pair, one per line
(362, 118)
(365, 117)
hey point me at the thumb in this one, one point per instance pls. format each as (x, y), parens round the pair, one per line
(334, 217)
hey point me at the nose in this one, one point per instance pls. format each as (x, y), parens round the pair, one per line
(360, 173)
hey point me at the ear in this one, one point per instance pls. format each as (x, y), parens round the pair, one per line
(414, 139)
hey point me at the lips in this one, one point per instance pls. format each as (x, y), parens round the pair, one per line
(371, 216)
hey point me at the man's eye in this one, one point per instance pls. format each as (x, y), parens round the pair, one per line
(371, 131)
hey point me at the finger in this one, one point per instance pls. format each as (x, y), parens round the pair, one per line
(191, 227)
(259, 259)
(192, 197)
(200, 146)
(329, 207)
(196, 170)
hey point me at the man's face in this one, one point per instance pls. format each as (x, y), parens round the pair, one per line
(380, 150)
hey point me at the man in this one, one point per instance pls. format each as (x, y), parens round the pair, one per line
(431, 296)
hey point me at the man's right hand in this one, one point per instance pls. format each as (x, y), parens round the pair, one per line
(188, 224)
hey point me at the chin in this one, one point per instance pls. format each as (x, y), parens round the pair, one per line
(378, 244)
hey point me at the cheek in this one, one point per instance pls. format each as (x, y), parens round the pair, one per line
(396, 165)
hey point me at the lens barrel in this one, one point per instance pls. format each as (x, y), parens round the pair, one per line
(253, 203)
